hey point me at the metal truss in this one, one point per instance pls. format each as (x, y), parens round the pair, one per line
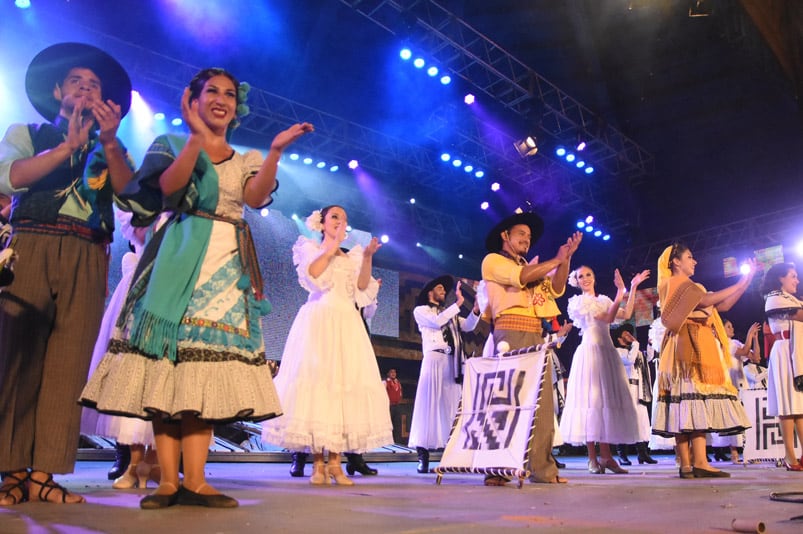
(486, 65)
(775, 228)
(336, 139)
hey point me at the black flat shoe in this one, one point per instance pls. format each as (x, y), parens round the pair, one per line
(190, 498)
(155, 502)
(685, 474)
(705, 473)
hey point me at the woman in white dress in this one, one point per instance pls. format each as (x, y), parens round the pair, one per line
(130, 431)
(738, 351)
(598, 403)
(785, 385)
(329, 383)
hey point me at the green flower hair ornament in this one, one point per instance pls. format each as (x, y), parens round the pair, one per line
(242, 97)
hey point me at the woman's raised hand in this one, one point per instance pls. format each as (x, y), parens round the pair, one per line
(286, 137)
(617, 280)
(371, 247)
(639, 278)
(189, 112)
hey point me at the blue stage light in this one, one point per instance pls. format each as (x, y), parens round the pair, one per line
(457, 162)
(606, 237)
(321, 164)
(479, 174)
(446, 79)
(589, 170)
(159, 116)
(294, 156)
(495, 186)
(580, 164)
(446, 156)
(384, 238)
(468, 168)
(177, 122)
(560, 151)
(570, 157)
(405, 54)
(419, 63)
(22, 4)
(432, 71)
(484, 205)
(334, 168)
(307, 161)
(469, 99)
(580, 224)
(353, 164)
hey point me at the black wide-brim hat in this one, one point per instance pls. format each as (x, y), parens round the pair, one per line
(617, 332)
(493, 241)
(51, 65)
(446, 281)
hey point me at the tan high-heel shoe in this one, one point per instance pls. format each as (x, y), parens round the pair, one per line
(128, 479)
(610, 464)
(319, 476)
(146, 472)
(335, 472)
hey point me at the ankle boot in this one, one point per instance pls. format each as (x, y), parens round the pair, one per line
(622, 451)
(558, 463)
(299, 461)
(719, 454)
(423, 460)
(122, 457)
(644, 454)
(355, 462)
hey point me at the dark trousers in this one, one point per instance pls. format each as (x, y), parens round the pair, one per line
(49, 321)
(396, 421)
(541, 463)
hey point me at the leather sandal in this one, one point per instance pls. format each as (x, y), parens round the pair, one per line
(493, 480)
(48, 486)
(8, 487)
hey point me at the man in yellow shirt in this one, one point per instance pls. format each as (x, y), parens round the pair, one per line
(520, 294)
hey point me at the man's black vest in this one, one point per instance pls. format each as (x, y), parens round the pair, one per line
(41, 202)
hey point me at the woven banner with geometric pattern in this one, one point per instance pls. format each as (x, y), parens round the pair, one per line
(494, 424)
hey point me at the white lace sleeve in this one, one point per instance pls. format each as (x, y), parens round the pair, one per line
(305, 251)
(582, 309)
(367, 295)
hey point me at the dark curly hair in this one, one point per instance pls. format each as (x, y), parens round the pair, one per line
(241, 90)
(772, 278)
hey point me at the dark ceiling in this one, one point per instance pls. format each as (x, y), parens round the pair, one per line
(694, 120)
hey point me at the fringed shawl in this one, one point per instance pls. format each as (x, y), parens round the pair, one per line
(690, 349)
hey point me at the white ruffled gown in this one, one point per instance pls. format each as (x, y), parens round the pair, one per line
(329, 383)
(598, 402)
(124, 430)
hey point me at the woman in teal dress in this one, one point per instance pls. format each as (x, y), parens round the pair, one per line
(188, 350)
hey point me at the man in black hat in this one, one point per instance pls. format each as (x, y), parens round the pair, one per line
(62, 175)
(640, 383)
(438, 393)
(514, 286)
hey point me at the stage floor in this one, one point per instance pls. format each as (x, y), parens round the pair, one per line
(650, 499)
